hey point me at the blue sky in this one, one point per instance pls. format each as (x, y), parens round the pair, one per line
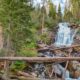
(56, 3)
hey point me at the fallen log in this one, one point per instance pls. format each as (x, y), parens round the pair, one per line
(40, 59)
(64, 47)
(52, 48)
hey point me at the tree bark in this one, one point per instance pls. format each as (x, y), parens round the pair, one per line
(40, 59)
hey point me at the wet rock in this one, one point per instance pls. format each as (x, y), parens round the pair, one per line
(58, 69)
(40, 70)
(74, 68)
(46, 54)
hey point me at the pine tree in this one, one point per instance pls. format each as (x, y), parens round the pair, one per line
(16, 20)
(68, 16)
(59, 14)
(75, 5)
(52, 10)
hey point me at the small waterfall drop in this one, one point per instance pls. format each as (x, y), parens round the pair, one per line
(64, 35)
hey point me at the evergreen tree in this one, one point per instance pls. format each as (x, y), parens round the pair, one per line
(16, 20)
(59, 14)
(51, 20)
(52, 10)
(68, 17)
(75, 5)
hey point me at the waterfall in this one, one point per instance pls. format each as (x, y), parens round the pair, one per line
(65, 35)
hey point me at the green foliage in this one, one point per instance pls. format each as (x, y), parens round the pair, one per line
(28, 53)
(68, 16)
(75, 5)
(2, 52)
(51, 20)
(52, 10)
(16, 20)
(72, 12)
(18, 65)
(36, 18)
(45, 38)
(28, 50)
(50, 23)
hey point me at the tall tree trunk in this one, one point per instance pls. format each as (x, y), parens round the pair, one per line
(7, 53)
(1, 37)
(42, 23)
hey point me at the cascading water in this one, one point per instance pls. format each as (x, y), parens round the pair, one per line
(64, 35)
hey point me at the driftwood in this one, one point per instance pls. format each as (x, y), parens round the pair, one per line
(40, 59)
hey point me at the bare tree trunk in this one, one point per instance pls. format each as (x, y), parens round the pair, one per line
(42, 23)
(1, 37)
(6, 63)
(6, 70)
(40, 59)
(43, 14)
(8, 48)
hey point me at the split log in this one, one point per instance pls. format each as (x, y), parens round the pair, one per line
(40, 59)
